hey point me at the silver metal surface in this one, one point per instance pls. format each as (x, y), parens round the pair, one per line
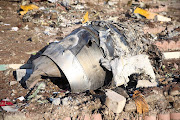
(72, 69)
(89, 58)
(77, 56)
(82, 70)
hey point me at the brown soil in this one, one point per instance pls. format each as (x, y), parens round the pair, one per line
(16, 48)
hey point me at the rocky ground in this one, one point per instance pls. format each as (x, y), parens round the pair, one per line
(22, 36)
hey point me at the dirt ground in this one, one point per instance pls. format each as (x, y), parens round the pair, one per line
(18, 47)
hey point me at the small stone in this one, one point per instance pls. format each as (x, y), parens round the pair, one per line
(162, 18)
(14, 29)
(54, 16)
(175, 90)
(114, 101)
(76, 107)
(14, 91)
(145, 83)
(21, 98)
(176, 105)
(170, 98)
(13, 83)
(12, 94)
(56, 101)
(65, 101)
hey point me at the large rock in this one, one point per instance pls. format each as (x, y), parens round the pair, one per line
(114, 101)
(124, 67)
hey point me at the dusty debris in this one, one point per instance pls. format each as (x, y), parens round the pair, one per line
(130, 106)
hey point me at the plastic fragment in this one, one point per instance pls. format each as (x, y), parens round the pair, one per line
(86, 18)
(151, 15)
(5, 103)
(141, 104)
(162, 18)
(14, 29)
(14, 66)
(36, 92)
(21, 98)
(26, 8)
(53, 1)
(10, 108)
(145, 13)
